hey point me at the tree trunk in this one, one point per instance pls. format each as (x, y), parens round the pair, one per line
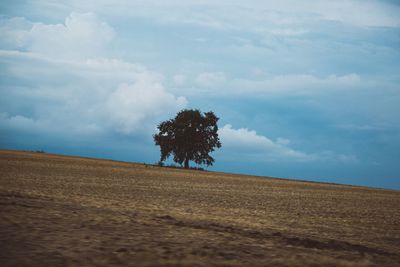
(186, 163)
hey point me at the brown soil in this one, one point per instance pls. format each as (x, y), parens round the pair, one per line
(71, 211)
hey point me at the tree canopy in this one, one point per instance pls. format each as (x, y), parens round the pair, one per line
(190, 136)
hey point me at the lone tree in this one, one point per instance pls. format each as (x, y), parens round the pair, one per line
(190, 136)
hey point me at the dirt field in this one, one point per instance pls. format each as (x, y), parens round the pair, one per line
(70, 211)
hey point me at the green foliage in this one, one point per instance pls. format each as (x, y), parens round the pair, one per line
(190, 136)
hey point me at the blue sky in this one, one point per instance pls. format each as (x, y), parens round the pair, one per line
(304, 89)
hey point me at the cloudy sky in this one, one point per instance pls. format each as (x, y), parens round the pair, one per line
(304, 89)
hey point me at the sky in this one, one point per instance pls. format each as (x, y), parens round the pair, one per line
(304, 89)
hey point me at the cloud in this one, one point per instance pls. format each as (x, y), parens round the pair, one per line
(56, 73)
(17, 122)
(210, 79)
(131, 104)
(179, 79)
(209, 13)
(109, 94)
(81, 35)
(280, 85)
(295, 84)
(14, 32)
(368, 13)
(50, 126)
(223, 14)
(248, 142)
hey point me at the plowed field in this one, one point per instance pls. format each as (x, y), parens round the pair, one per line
(71, 211)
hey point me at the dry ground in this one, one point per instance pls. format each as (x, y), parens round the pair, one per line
(70, 211)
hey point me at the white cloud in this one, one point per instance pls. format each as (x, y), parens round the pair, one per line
(248, 142)
(81, 36)
(131, 104)
(281, 85)
(253, 14)
(106, 94)
(254, 147)
(59, 73)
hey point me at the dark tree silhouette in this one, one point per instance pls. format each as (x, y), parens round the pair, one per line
(190, 136)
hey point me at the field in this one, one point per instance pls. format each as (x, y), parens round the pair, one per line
(71, 211)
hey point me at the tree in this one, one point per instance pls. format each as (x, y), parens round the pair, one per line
(190, 136)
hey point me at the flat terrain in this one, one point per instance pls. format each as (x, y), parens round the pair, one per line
(70, 211)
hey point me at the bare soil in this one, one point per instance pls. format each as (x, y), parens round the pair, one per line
(70, 211)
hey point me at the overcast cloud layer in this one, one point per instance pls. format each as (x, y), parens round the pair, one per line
(303, 90)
